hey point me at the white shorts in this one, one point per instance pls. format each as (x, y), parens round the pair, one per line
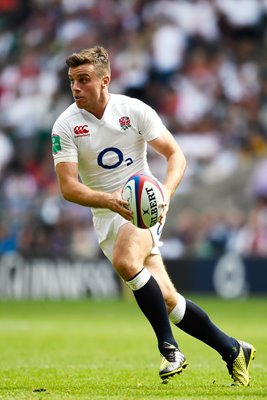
(107, 227)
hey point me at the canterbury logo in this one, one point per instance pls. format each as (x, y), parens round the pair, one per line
(81, 130)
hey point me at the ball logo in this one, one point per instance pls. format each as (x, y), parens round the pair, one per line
(153, 205)
(81, 130)
(145, 211)
(145, 198)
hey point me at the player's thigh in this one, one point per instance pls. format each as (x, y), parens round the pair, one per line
(156, 267)
(131, 248)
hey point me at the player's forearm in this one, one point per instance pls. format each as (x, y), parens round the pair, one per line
(77, 192)
(176, 164)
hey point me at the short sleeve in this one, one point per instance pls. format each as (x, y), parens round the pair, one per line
(150, 124)
(63, 146)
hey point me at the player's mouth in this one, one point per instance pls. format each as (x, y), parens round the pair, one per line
(79, 100)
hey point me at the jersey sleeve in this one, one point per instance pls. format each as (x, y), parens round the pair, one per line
(150, 124)
(63, 146)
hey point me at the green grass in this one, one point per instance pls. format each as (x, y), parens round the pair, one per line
(106, 350)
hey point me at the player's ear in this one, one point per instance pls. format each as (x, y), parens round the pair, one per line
(105, 81)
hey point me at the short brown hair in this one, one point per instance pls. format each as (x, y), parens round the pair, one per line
(97, 56)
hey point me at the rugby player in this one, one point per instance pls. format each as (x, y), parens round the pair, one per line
(102, 138)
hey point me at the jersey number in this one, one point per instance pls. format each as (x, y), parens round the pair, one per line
(118, 161)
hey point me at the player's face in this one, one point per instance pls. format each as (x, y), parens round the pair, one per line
(87, 87)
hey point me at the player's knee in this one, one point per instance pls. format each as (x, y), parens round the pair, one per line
(123, 266)
(119, 262)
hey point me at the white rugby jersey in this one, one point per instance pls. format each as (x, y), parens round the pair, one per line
(108, 151)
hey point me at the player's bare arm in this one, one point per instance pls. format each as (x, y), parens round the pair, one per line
(75, 191)
(166, 145)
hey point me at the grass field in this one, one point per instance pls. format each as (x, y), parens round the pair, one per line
(106, 350)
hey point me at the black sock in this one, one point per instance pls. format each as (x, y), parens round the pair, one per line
(151, 302)
(198, 324)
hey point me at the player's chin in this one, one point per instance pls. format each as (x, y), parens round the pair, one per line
(79, 102)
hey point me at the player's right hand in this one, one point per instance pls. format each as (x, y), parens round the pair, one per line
(119, 205)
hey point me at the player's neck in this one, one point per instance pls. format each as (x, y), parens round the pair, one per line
(99, 109)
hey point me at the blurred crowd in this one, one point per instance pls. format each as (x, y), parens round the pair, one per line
(200, 63)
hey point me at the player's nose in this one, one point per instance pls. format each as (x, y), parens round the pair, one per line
(75, 86)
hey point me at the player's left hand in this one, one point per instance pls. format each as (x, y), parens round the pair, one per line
(165, 205)
(163, 214)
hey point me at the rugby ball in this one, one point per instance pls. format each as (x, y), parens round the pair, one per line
(145, 199)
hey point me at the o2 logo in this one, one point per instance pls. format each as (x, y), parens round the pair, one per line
(118, 159)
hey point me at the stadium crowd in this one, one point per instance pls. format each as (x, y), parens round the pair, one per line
(200, 63)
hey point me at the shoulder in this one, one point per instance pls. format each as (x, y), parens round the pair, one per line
(71, 112)
(130, 102)
(135, 109)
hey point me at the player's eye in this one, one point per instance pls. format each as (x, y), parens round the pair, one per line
(83, 80)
